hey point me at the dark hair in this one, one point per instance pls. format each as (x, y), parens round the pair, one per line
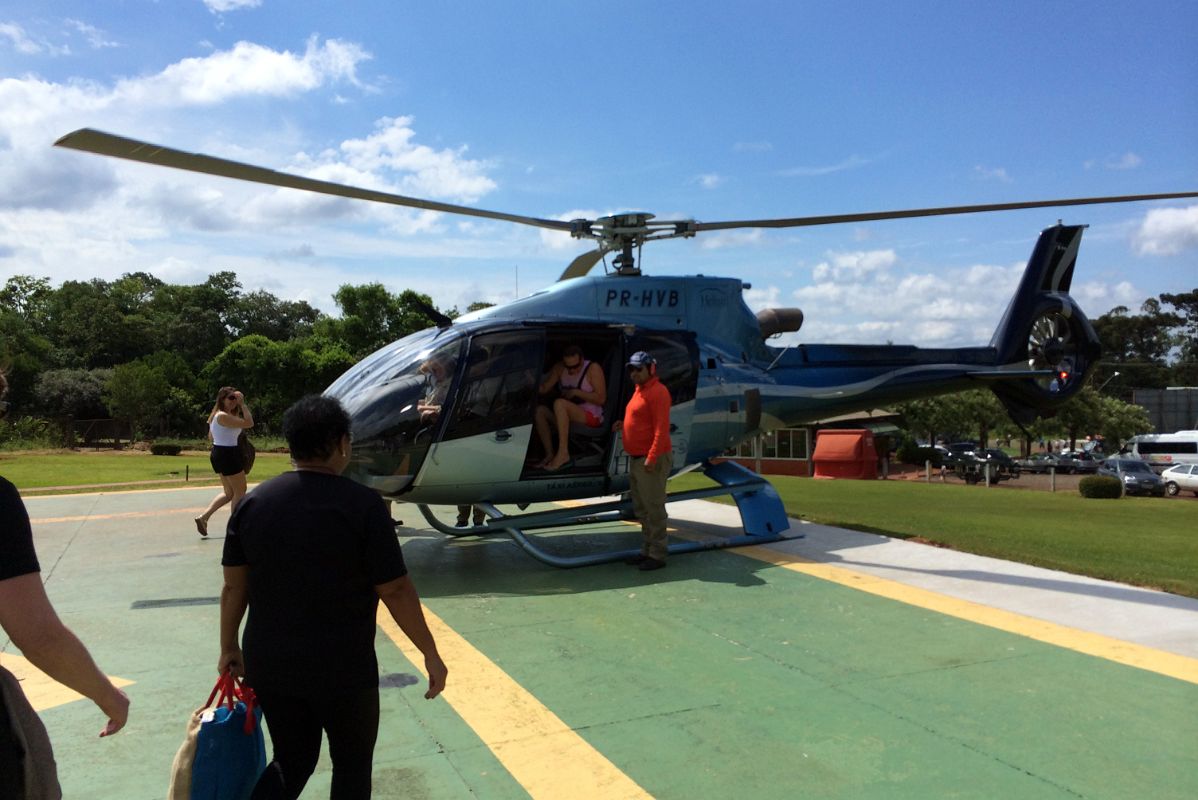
(572, 350)
(313, 427)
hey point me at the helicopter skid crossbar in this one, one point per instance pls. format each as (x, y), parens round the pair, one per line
(762, 515)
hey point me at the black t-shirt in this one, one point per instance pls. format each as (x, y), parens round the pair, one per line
(316, 546)
(17, 556)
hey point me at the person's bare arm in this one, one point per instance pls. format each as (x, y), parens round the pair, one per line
(234, 598)
(401, 600)
(29, 619)
(551, 380)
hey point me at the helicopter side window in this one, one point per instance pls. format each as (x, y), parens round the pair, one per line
(677, 361)
(499, 385)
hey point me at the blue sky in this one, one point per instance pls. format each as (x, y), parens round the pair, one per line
(698, 110)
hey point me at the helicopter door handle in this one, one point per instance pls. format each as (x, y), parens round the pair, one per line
(502, 436)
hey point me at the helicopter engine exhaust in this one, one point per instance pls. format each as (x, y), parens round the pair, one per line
(779, 320)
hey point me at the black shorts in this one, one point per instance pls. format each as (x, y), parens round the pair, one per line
(226, 460)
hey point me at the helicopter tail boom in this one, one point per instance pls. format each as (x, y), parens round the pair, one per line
(1044, 341)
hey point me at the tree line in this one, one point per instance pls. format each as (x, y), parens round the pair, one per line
(153, 353)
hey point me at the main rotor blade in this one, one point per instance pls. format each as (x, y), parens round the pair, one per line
(582, 265)
(107, 144)
(835, 219)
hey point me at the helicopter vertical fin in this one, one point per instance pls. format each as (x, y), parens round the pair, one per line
(1044, 330)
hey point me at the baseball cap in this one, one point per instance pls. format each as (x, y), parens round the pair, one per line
(641, 359)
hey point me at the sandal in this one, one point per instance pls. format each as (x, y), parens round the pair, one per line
(202, 526)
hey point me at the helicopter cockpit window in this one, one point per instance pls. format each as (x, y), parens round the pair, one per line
(395, 400)
(499, 384)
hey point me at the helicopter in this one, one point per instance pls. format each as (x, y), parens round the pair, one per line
(727, 382)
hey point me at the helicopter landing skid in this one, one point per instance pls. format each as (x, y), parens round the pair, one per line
(762, 516)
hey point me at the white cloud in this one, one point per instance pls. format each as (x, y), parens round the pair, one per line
(854, 265)
(222, 6)
(852, 162)
(992, 174)
(1167, 231)
(247, 70)
(95, 37)
(732, 238)
(25, 44)
(1128, 160)
(709, 180)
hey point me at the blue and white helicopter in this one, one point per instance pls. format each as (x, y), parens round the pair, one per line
(727, 382)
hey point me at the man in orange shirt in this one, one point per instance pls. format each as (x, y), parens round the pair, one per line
(646, 429)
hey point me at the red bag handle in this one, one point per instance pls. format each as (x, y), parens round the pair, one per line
(229, 689)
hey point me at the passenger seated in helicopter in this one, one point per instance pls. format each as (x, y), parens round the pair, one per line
(438, 375)
(582, 391)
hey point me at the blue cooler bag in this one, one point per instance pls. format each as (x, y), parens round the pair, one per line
(230, 752)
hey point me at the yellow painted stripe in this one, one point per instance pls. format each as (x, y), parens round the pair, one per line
(545, 756)
(43, 691)
(122, 515)
(1094, 644)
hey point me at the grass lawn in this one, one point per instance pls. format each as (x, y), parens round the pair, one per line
(33, 471)
(1146, 541)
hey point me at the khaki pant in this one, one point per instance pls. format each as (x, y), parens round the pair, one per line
(648, 491)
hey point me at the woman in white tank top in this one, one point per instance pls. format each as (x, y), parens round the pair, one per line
(230, 416)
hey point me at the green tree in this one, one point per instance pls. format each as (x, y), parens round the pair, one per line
(372, 317)
(27, 297)
(23, 355)
(264, 314)
(72, 393)
(1185, 367)
(1119, 421)
(1139, 345)
(274, 375)
(137, 392)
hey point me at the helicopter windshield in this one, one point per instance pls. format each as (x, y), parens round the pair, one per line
(394, 399)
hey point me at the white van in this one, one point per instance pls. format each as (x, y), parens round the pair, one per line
(1163, 450)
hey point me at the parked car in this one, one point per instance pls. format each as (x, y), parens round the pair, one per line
(1137, 476)
(1182, 476)
(974, 464)
(1043, 462)
(1082, 461)
(1007, 466)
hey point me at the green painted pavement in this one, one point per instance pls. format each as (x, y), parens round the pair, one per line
(720, 676)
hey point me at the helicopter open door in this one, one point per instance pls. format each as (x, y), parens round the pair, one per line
(485, 440)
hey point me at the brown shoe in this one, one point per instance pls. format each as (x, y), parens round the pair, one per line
(651, 564)
(202, 526)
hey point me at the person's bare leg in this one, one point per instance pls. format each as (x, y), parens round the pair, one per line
(238, 484)
(543, 423)
(225, 496)
(564, 413)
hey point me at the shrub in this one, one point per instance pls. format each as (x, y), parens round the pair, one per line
(165, 449)
(28, 433)
(1100, 487)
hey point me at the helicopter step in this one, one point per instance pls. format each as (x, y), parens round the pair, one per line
(763, 518)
